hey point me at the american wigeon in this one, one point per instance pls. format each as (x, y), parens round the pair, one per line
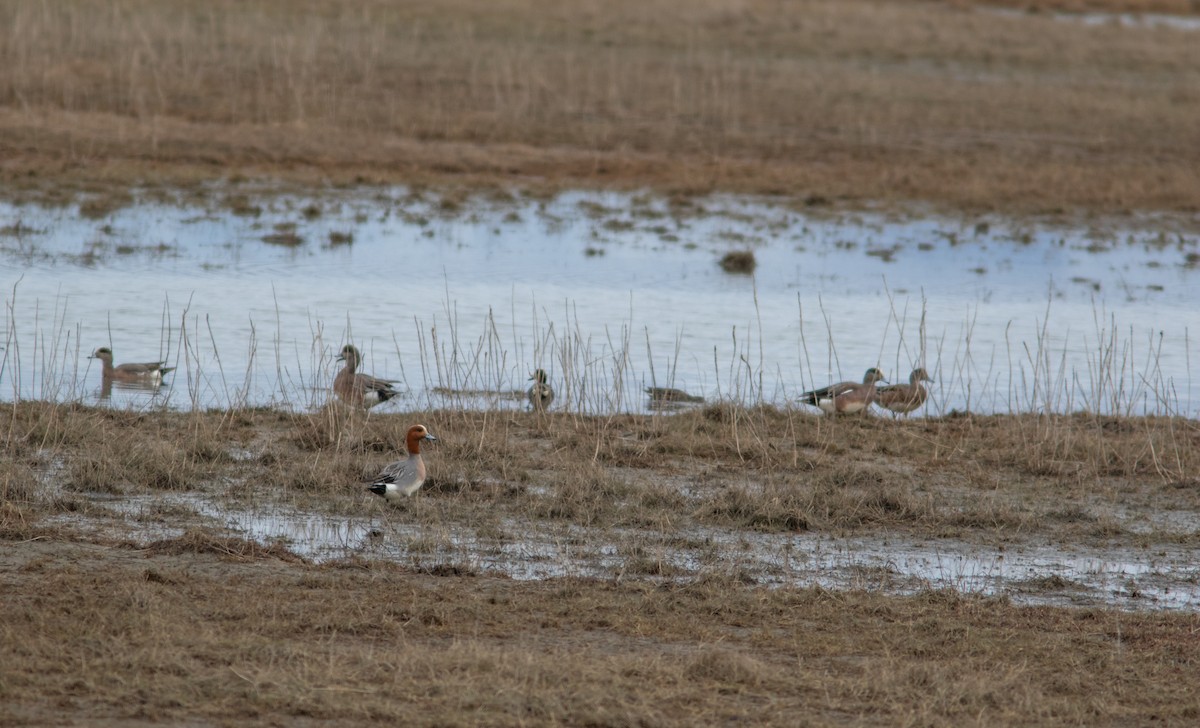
(845, 397)
(404, 477)
(904, 398)
(144, 373)
(540, 394)
(360, 389)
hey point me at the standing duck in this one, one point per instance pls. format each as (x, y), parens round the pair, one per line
(845, 397)
(404, 477)
(904, 398)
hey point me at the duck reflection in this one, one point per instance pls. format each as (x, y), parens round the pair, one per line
(145, 386)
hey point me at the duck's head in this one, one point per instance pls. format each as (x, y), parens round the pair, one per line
(874, 375)
(415, 435)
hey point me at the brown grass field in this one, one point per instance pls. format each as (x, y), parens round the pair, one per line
(201, 626)
(846, 101)
(162, 616)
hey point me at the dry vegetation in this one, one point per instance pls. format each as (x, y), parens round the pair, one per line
(187, 631)
(842, 100)
(761, 469)
(205, 625)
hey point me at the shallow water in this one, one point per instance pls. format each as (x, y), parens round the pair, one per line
(1134, 578)
(608, 292)
(1097, 19)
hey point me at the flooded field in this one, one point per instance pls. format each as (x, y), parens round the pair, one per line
(724, 203)
(251, 299)
(459, 299)
(1148, 577)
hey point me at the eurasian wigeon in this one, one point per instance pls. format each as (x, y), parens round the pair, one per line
(360, 389)
(404, 477)
(845, 397)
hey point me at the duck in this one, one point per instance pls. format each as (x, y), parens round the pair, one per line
(360, 389)
(904, 398)
(145, 373)
(540, 394)
(669, 394)
(845, 397)
(402, 478)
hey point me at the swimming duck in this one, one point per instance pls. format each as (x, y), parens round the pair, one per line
(360, 389)
(668, 394)
(540, 394)
(146, 372)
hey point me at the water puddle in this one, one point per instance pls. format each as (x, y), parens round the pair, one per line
(1132, 578)
(1188, 23)
(610, 293)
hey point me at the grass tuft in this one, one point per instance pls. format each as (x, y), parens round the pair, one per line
(739, 261)
(204, 541)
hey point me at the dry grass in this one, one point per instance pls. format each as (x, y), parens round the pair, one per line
(760, 469)
(840, 100)
(198, 541)
(212, 627)
(102, 634)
